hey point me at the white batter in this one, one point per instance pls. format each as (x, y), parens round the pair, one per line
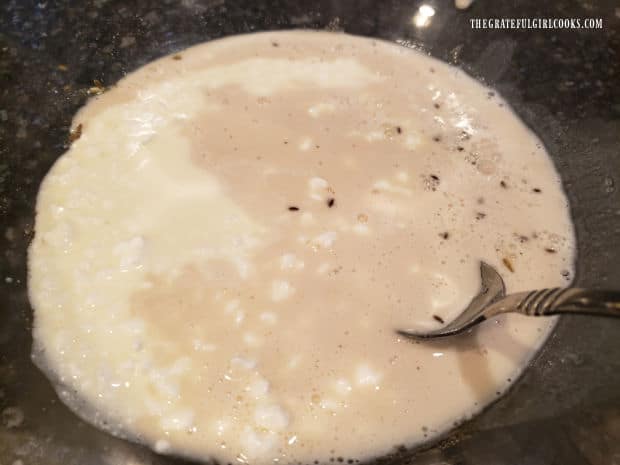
(222, 257)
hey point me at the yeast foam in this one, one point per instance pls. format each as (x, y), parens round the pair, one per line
(222, 257)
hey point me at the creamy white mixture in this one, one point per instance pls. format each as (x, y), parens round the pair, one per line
(222, 257)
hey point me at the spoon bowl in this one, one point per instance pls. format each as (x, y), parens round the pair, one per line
(492, 301)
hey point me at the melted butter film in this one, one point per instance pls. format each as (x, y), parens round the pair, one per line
(222, 257)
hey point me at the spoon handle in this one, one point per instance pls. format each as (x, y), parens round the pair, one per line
(553, 301)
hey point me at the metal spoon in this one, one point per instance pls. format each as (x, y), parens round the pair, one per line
(492, 300)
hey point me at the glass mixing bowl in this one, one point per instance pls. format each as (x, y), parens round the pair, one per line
(564, 410)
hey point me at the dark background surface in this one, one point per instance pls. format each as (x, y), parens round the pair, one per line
(564, 83)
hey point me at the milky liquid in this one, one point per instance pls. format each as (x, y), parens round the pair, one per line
(222, 257)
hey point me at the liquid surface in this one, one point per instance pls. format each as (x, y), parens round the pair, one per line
(222, 256)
